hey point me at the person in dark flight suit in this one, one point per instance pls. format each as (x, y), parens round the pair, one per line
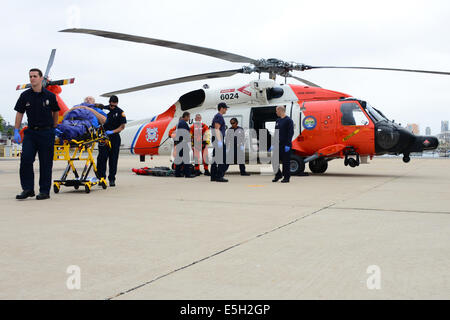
(284, 128)
(238, 145)
(183, 143)
(218, 128)
(41, 108)
(115, 123)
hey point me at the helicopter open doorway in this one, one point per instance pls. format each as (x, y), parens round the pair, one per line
(263, 119)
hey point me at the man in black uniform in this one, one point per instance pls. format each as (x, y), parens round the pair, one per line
(42, 109)
(183, 143)
(115, 123)
(236, 141)
(219, 166)
(284, 128)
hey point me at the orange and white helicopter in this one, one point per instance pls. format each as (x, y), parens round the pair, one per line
(328, 124)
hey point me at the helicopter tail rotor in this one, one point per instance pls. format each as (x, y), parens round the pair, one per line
(46, 82)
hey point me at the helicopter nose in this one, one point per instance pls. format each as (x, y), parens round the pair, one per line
(427, 142)
(422, 143)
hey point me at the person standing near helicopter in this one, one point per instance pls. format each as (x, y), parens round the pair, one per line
(284, 129)
(115, 123)
(218, 128)
(200, 140)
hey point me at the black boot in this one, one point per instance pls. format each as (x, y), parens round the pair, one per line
(42, 196)
(25, 194)
(278, 176)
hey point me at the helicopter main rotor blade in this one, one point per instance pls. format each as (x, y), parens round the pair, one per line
(50, 63)
(23, 86)
(61, 82)
(306, 67)
(309, 83)
(210, 75)
(164, 43)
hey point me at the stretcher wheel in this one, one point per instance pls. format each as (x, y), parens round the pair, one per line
(76, 187)
(103, 184)
(87, 188)
(55, 188)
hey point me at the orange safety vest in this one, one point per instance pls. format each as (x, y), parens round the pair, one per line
(198, 132)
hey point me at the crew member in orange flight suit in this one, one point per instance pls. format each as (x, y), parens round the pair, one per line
(172, 134)
(200, 139)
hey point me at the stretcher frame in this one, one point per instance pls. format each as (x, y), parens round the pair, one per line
(80, 150)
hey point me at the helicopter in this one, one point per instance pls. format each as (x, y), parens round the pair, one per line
(328, 124)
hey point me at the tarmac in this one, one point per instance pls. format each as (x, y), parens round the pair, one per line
(378, 231)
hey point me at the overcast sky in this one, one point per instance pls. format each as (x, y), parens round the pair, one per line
(398, 34)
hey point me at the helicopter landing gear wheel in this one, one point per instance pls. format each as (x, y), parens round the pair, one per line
(353, 163)
(318, 166)
(297, 166)
(406, 158)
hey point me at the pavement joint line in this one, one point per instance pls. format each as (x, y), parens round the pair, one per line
(220, 252)
(392, 210)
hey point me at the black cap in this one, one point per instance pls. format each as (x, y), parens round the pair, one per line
(222, 105)
(113, 99)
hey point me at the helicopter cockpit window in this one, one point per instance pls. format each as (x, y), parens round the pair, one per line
(352, 115)
(377, 115)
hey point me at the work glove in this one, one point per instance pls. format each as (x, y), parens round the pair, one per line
(287, 148)
(220, 144)
(58, 132)
(17, 137)
(270, 149)
(109, 132)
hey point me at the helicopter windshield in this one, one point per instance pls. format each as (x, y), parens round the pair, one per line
(374, 113)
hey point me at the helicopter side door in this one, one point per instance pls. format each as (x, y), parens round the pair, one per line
(295, 115)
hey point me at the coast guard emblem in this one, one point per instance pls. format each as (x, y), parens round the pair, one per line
(152, 135)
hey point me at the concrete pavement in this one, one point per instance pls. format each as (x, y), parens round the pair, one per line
(168, 238)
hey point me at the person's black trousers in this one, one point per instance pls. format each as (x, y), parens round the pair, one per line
(285, 160)
(41, 142)
(105, 153)
(218, 169)
(186, 167)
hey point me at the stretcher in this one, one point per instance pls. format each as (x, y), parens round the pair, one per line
(80, 150)
(156, 171)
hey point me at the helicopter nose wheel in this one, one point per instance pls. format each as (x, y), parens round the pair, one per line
(406, 158)
(318, 166)
(353, 162)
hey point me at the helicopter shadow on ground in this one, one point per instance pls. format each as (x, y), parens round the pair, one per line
(324, 175)
(355, 175)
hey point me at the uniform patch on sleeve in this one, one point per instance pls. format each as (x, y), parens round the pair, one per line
(123, 114)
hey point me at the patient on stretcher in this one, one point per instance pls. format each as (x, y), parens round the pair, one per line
(79, 120)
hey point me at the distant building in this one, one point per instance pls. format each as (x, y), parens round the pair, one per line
(428, 131)
(413, 127)
(444, 126)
